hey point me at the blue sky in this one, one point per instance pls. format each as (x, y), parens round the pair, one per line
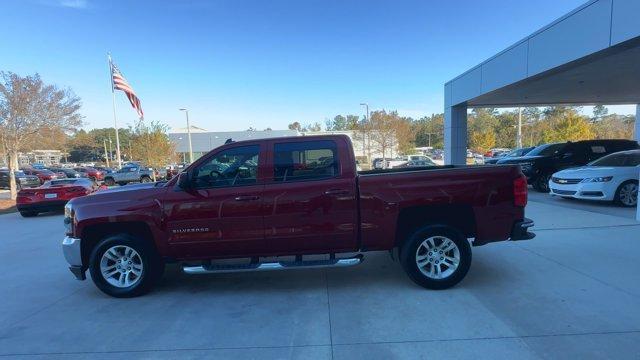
(237, 63)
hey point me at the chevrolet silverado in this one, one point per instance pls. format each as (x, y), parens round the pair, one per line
(291, 203)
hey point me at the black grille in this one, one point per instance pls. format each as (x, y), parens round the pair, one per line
(565, 181)
(563, 192)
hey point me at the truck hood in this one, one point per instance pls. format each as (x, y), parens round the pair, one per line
(520, 159)
(122, 195)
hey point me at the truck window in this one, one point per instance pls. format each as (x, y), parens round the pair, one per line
(302, 161)
(232, 167)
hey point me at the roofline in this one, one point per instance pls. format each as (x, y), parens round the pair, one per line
(280, 138)
(527, 38)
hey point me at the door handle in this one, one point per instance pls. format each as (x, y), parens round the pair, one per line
(336, 192)
(247, 198)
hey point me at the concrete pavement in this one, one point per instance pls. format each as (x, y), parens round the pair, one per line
(572, 292)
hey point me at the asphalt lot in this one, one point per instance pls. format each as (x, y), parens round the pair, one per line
(572, 292)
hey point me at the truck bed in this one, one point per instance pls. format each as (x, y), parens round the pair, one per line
(469, 196)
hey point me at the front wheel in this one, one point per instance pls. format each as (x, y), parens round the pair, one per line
(542, 183)
(109, 182)
(627, 194)
(145, 179)
(28, 213)
(436, 257)
(124, 266)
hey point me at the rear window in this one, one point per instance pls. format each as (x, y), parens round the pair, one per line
(63, 181)
(302, 161)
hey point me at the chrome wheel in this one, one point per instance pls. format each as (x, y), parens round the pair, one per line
(438, 257)
(628, 194)
(121, 266)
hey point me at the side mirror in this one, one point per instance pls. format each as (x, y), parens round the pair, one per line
(184, 180)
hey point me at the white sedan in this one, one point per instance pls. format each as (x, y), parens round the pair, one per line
(611, 178)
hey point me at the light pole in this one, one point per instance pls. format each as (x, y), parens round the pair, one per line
(366, 120)
(186, 111)
(519, 135)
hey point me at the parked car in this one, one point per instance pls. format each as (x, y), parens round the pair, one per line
(540, 163)
(294, 197)
(91, 173)
(105, 170)
(611, 178)
(417, 163)
(22, 180)
(128, 174)
(42, 174)
(513, 153)
(52, 195)
(66, 173)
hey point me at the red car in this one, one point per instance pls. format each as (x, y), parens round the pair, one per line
(91, 173)
(42, 174)
(292, 203)
(53, 195)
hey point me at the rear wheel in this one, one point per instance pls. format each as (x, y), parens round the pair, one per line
(125, 266)
(28, 213)
(436, 257)
(627, 194)
(145, 179)
(542, 183)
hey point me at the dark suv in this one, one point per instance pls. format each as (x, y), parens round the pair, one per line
(540, 163)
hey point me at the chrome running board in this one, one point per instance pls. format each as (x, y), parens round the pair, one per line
(272, 266)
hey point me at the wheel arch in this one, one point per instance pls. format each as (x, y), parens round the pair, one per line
(92, 234)
(458, 217)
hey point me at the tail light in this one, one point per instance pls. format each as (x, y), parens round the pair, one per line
(520, 191)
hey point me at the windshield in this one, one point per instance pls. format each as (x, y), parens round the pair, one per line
(618, 159)
(547, 149)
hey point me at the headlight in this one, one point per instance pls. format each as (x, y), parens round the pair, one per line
(597, 179)
(68, 219)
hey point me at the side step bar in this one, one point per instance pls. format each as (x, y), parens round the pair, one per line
(271, 266)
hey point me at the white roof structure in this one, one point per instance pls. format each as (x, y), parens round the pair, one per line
(588, 56)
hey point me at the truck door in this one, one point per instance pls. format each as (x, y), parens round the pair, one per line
(221, 213)
(310, 197)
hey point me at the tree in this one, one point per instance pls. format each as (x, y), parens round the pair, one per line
(151, 145)
(482, 141)
(28, 105)
(343, 123)
(599, 111)
(295, 126)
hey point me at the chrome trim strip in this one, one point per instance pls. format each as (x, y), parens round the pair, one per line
(71, 250)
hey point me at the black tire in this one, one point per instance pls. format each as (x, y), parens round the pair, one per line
(29, 213)
(145, 179)
(152, 266)
(618, 198)
(542, 182)
(413, 244)
(122, 183)
(109, 181)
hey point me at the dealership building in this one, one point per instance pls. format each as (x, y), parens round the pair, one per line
(589, 56)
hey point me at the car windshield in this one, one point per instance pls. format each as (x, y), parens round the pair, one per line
(618, 159)
(547, 149)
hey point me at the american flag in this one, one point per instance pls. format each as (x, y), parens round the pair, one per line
(120, 83)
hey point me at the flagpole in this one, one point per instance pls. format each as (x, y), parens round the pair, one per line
(115, 120)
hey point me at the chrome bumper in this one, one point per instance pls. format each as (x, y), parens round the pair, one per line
(73, 253)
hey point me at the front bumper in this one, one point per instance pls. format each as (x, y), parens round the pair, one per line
(587, 191)
(73, 254)
(520, 230)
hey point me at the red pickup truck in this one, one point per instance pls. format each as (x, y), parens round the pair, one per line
(290, 203)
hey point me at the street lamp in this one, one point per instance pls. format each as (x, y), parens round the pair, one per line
(186, 111)
(366, 119)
